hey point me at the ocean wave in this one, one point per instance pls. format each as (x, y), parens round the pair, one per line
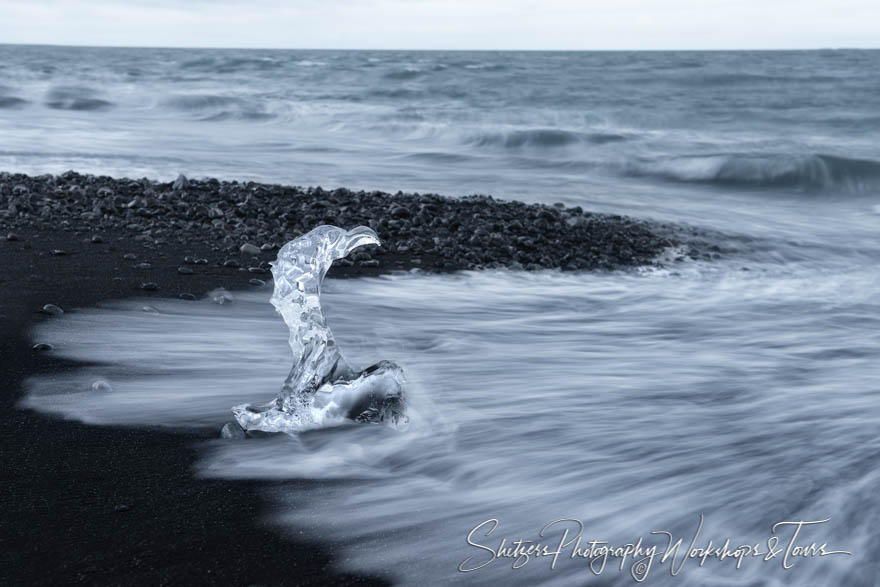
(9, 102)
(541, 138)
(807, 172)
(230, 64)
(404, 74)
(211, 107)
(481, 66)
(75, 98)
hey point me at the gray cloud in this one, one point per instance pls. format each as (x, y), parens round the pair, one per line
(447, 24)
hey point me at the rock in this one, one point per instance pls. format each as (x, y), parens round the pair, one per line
(149, 286)
(232, 430)
(12, 237)
(97, 240)
(121, 508)
(185, 271)
(187, 296)
(257, 282)
(129, 256)
(249, 249)
(231, 263)
(180, 184)
(144, 265)
(59, 252)
(42, 346)
(257, 270)
(51, 310)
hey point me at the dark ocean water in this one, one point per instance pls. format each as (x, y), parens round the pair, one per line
(744, 389)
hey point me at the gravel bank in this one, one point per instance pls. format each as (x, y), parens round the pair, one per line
(425, 231)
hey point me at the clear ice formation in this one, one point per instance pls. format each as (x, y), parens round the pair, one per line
(321, 388)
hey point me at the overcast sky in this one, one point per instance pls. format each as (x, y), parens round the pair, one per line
(446, 24)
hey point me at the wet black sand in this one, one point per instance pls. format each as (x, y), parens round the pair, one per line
(119, 506)
(103, 505)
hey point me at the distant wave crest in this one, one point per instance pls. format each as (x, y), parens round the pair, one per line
(807, 172)
(9, 102)
(211, 107)
(541, 138)
(75, 98)
(230, 64)
(404, 74)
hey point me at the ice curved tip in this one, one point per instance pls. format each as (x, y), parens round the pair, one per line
(358, 237)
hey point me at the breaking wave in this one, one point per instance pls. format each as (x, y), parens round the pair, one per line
(542, 138)
(12, 102)
(75, 98)
(806, 172)
(211, 107)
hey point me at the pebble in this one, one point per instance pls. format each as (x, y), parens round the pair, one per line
(185, 271)
(59, 252)
(52, 310)
(149, 286)
(129, 256)
(231, 263)
(121, 508)
(143, 266)
(101, 385)
(187, 296)
(249, 249)
(201, 261)
(12, 237)
(97, 240)
(257, 270)
(232, 430)
(43, 346)
(257, 282)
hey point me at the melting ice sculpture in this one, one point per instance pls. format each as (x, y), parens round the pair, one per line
(321, 386)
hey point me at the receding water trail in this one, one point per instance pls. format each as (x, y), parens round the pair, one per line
(631, 402)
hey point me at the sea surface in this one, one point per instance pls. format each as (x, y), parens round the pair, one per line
(743, 390)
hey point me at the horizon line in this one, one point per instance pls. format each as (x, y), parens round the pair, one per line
(237, 48)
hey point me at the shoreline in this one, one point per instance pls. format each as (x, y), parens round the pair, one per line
(93, 504)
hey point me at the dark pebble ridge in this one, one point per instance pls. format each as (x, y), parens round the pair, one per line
(425, 231)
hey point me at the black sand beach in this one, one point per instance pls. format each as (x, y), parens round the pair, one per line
(101, 505)
(113, 506)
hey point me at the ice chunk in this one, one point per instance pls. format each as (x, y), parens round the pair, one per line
(220, 296)
(321, 388)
